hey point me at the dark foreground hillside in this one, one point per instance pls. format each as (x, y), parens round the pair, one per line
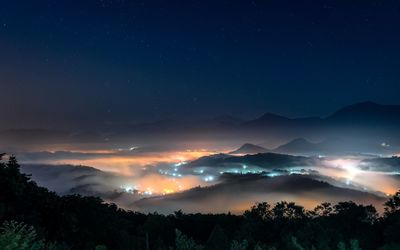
(35, 218)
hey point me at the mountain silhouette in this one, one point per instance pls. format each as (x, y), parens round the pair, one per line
(333, 145)
(366, 112)
(299, 145)
(356, 113)
(365, 123)
(273, 120)
(263, 160)
(249, 148)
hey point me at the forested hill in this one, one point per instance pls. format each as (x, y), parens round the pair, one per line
(35, 218)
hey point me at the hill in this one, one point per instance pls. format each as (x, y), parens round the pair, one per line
(249, 148)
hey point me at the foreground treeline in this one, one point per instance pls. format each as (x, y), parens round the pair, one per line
(34, 218)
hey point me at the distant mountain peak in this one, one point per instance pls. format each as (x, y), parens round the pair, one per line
(299, 140)
(361, 105)
(272, 116)
(367, 110)
(268, 119)
(249, 148)
(297, 145)
(227, 119)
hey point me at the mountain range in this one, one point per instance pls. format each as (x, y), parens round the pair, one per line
(330, 146)
(365, 124)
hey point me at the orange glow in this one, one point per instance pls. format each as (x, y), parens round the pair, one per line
(130, 164)
(134, 166)
(164, 185)
(141, 172)
(346, 169)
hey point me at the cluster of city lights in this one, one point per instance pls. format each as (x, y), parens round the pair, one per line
(135, 190)
(348, 172)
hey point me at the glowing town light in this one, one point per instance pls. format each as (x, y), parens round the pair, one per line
(209, 178)
(181, 158)
(351, 168)
(198, 171)
(180, 163)
(168, 191)
(133, 148)
(129, 189)
(148, 192)
(273, 174)
(244, 166)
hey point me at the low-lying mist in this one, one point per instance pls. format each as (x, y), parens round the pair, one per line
(167, 180)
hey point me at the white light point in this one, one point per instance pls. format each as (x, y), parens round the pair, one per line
(209, 178)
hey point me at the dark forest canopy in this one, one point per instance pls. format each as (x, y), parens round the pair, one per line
(41, 219)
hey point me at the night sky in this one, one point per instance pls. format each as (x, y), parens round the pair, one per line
(71, 62)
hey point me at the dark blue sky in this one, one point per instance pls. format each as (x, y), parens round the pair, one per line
(67, 62)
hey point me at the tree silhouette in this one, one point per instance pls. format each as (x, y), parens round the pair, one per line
(79, 222)
(217, 240)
